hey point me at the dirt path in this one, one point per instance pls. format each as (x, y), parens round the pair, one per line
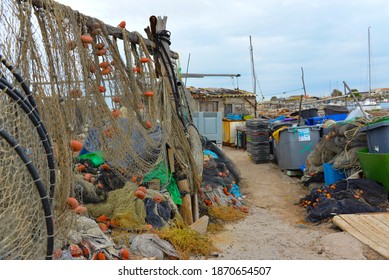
(275, 228)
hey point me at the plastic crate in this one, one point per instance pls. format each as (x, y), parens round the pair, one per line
(295, 144)
(315, 120)
(336, 117)
(332, 175)
(375, 166)
(234, 117)
(263, 158)
(261, 137)
(377, 137)
(256, 124)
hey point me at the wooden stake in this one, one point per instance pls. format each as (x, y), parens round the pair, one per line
(171, 160)
(301, 102)
(186, 207)
(195, 207)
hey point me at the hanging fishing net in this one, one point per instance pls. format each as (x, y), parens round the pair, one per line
(112, 90)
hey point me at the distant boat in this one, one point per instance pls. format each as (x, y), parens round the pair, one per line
(367, 105)
(384, 105)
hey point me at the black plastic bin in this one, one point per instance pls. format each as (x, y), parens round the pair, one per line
(335, 110)
(306, 113)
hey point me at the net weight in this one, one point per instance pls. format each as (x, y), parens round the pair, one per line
(230, 270)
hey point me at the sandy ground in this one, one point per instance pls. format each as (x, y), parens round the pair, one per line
(275, 228)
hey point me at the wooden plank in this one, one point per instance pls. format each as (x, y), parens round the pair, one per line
(383, 218)
(346, 226)
(376, 226)
(351, 224)
(362, 223)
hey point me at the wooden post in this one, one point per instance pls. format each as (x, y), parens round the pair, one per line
(171, 160)
(300, 105)
(302, 78)
(186, 207)
(195, 207)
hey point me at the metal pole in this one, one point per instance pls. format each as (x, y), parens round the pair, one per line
(254, 77)
(356, 100)
(187, 69)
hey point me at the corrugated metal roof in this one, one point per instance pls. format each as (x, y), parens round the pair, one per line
(218, 92)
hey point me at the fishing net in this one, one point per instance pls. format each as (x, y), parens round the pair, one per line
(130, 212)
(339, 146)
(25, 211)
(113, 90)
(345, 197)
(219, 186)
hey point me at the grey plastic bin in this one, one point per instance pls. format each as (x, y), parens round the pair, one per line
(377, 137)
(295, 144)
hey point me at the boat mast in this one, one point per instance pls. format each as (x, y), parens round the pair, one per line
(369, 50)
(254, 77)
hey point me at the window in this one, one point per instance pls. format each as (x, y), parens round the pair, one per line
(209, 106)
(238, 108)
(235, 109)
(227, 109)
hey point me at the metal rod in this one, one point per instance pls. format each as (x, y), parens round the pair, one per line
(187, 69)
(193, 75)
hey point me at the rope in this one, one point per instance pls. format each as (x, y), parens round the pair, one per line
(160, 37)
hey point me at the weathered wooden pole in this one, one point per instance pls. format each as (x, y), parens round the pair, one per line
(186, 206)
(302, 78)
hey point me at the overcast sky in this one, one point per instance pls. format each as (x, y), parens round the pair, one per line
(327, 38)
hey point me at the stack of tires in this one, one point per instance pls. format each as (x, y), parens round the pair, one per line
(257, 136)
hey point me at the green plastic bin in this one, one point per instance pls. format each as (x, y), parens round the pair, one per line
(375, 166)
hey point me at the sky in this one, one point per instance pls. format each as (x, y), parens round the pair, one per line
(328, 40)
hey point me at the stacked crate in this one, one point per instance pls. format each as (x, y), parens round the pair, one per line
(257, 136)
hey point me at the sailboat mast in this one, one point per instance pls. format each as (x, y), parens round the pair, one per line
(369, 49)
(254, 77)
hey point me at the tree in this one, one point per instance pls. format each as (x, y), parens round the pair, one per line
(273, 98)
(336, 93)
(357, 94)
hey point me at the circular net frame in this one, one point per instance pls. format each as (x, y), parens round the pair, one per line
(91, 96)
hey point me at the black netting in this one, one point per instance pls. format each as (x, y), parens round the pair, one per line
(220, 164)
(345, 197)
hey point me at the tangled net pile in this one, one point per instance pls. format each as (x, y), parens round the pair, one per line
(339, 147)
(91, 82)
(346, 196)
